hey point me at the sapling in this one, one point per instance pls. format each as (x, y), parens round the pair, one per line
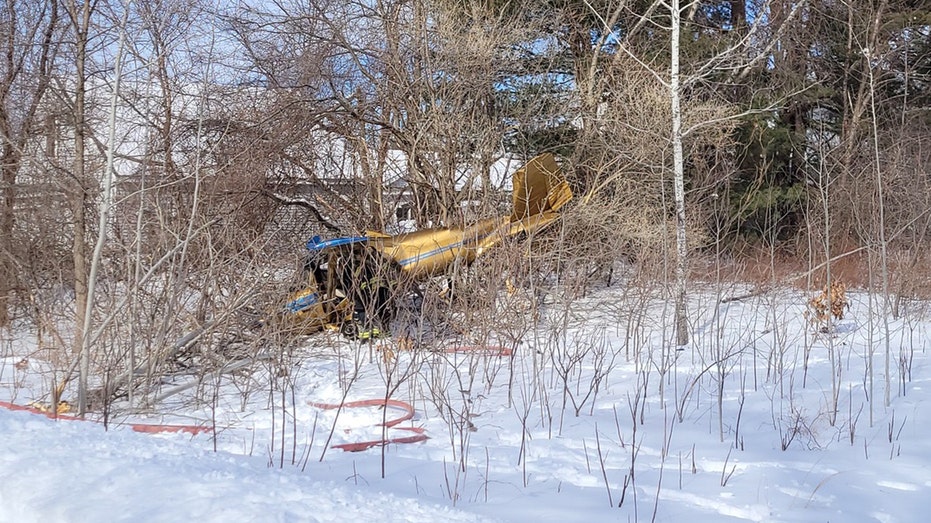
(395, 374)
(528, 397)
(346, 382)
(852, 420)
(601, 461)
(451, 380)
(895, 450)
(725, 356)
(570, 362)
(310, 444)
(738, 439)
(452, 490)
(488, 475)
(668, 429)
(635, 408)
(725, 475)
(881, 216)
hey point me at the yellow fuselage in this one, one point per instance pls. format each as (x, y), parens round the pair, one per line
(539, 191)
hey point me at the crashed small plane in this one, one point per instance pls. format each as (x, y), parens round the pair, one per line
(350, 282)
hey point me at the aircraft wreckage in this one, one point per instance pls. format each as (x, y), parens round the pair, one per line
(351, 282)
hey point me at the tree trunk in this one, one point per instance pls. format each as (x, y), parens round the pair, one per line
(678, 167)
(80, 17)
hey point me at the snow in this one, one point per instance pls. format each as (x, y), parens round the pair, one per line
(741, 425)
(73, 471)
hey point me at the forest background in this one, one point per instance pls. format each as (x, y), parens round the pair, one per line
(163, 162)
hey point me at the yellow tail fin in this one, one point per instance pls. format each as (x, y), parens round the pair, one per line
(539, 187)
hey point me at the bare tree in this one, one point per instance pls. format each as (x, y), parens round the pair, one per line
(79, 15)
(28, 29)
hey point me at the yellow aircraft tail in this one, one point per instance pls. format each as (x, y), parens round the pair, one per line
(539, 191)
(539, 187)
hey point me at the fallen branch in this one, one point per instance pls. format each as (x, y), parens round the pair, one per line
(226, 369)
(752, 294)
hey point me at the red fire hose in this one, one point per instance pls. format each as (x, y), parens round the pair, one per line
(390, 424)
(138, 427)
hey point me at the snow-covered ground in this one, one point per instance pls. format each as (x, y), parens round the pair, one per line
(595, 416)
(70, 471)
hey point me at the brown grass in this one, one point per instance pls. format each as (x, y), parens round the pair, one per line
(909, 270)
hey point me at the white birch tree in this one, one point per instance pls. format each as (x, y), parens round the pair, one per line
(748, 50)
